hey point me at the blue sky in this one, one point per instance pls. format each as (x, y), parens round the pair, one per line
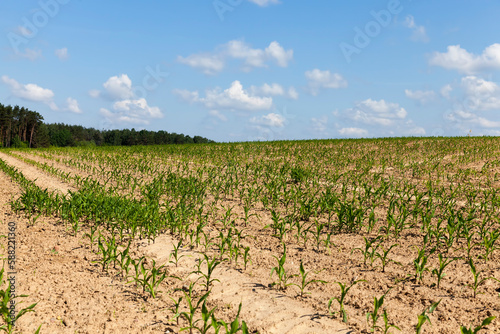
(238, 70)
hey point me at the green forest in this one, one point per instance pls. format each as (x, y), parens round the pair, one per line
(21, 127)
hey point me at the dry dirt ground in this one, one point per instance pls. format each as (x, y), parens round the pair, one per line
(55, 268)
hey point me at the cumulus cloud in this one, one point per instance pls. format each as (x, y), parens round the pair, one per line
(212, 63)
(265, 3)
(373, 112)
(481, 94)
(270, 120)
(419, 32)
(318, 80)
(30, 92)
(132, 111)
(127, 107)
(465, 120)
(462, 61)
(421, 96)
(72, 105)
(232, 98)
(207, 63)
(119, 87)
(62, 54)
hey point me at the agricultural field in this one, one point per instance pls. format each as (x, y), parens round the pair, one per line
(337, 236)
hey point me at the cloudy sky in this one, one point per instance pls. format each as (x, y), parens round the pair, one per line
(238, 70)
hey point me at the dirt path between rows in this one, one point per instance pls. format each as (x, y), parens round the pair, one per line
(41, 179)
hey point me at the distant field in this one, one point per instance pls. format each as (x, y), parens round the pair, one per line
(190, 229)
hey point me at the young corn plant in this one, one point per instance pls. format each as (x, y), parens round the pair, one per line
(206, 315)
(383, 256)
(8, 318)
(193, 306)
(211, 265)
(369, 250)
(246, 257)
(439, 272)
(423, 317)
(175, 309)
(475, 330)
(372, 317)
(344, 289)
(387, 325)
(175, 254)
(234, 327)
(281, 272)
(477, 281)
(304, 282)
(420, 263)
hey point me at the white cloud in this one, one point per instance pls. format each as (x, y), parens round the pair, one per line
(481, 94)
(132, 111)
(207, 63)
(119, 87)
(419, 32)
(279, 54)
(292, 93)
(373, 112)
(265, 3)
(274, 89)
(270, 120)
(354, 132)
(127, 107)
(445, 91)
(62, 54)
(318, 79)
(459, 59)
(464, 120)
(95, 93)
(212, 63)
(72, 105)
(422, 96)
(31, 92)
(233, 98)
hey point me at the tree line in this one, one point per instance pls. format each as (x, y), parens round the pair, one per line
(21, 127)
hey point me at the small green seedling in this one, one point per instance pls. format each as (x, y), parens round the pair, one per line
(175, 254)
(439, 272)
(423, 317)
(283, 276)
(383, 256)
(486, 322)
(388, 326)
(211, 265)
(477, 282)
(304, 282)
(344, 289)
(374, 316)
